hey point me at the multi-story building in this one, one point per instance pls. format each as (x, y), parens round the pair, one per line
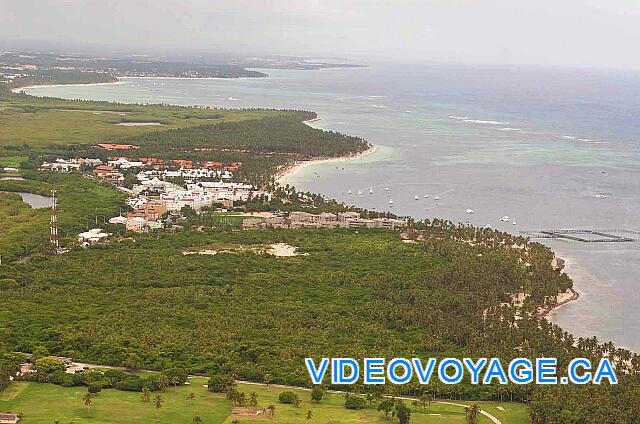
(152, 210)
(61, 165)
(108, 173)
(301, 219)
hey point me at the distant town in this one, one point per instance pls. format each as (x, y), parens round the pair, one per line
(18, 68)
(159, 190)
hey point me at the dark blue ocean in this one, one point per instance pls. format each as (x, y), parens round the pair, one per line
(548, 147)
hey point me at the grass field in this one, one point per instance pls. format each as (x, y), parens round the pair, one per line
(46, 403)
(39, 122)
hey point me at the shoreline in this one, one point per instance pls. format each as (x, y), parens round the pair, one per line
(289, 170)
(562, 298)
(191, 78)
(79, 84)
(120, 80)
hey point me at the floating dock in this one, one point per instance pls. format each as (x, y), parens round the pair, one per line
(585, 235)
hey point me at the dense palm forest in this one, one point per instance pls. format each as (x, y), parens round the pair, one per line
(262, 145)
(349, 293)
(356, 293)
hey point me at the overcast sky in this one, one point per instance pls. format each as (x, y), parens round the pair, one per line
(575, 32)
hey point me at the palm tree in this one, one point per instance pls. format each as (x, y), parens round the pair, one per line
(272, 410)
(347, 392)
(231, 394)
(253, 398)
(472, 413)
(87, 399)
(309, 416)
(197, 419)
(267, 379)
(240, 399)
(145, 395)
(157, 403)
(296, 402)
(133, 363)
(190, 398)
(426, 400)
(163, 382)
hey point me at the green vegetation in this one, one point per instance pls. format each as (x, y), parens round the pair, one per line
(45, 403)
(287, 397)
(58, 76)
(368, 284)
(252, 315)
(261, 145)
(81, 69)
(142, 303)
(83, 204)
(9, 365)
(35, 129)
(39, 122)
(22, 229)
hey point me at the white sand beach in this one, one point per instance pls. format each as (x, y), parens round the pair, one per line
(565, 297)
(290, 170)
(26, 87)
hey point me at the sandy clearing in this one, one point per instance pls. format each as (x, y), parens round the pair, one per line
(283, 250)
(138, 124)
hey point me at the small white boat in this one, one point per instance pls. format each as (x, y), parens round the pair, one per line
(359, 192)
(386, 189)
(350, 192)
(437, 197)
(391, 201)
(371, 191)
(470, 211)
(505, 219)
(416, 197)
(601, 196)
(515, 223)
(426, 196)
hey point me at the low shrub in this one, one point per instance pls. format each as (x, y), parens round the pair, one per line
(287, 397)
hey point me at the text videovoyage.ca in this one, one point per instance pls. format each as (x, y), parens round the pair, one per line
(454, 371)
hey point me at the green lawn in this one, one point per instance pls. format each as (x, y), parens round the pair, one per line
(46, 403)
